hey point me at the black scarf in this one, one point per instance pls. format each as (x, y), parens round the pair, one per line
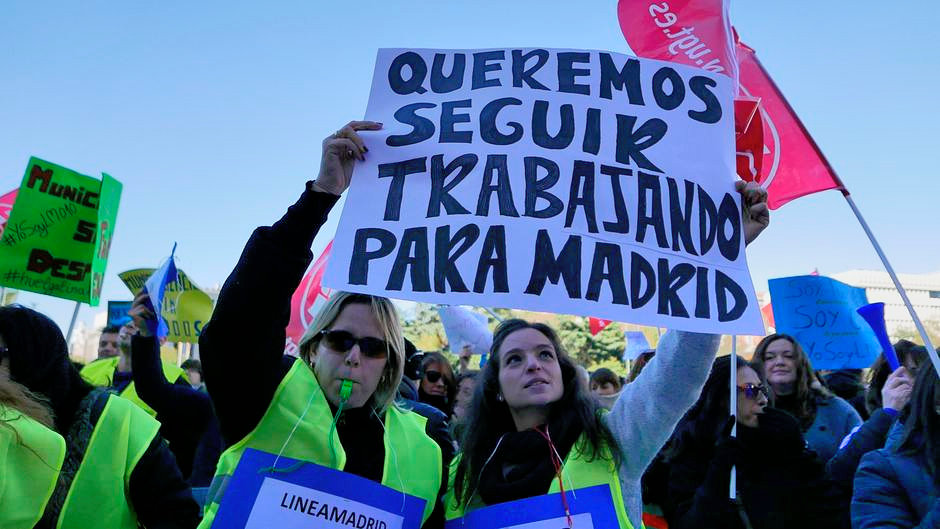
(521, 466)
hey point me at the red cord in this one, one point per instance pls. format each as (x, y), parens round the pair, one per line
(556, 462)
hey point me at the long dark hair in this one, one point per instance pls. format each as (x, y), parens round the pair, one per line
(805, 391)
(922, 422)
(702, 424)
(489, 418)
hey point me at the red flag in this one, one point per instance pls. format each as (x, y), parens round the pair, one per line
(597, 325)
(693, 32)
(768, 312)
(307, 300)
(6, 206)
(793, 165)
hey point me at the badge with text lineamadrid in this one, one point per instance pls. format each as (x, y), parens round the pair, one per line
(312, 496)
(591, 508)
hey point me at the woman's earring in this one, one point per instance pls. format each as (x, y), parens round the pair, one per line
(499, 397)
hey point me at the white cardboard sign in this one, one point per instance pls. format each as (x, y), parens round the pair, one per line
(579, 182)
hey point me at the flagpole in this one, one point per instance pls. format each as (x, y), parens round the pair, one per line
(733, 489)
(897, 283)
(68, 337)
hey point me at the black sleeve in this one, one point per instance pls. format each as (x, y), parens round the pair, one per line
(870, 436)
(437, 429)
(176, 403)
(158, 493)
(696, 497)
(242, 345)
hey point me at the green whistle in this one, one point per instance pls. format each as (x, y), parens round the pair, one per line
(345, 390)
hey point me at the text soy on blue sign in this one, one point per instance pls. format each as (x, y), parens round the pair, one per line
(820, 313)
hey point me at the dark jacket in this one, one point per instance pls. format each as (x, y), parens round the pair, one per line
(242, 346)
(870, 436)
(780, 483)
(185, 414)
(894, 489)
(39, 360)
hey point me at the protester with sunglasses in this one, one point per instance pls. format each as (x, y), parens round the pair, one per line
(780, 484)
(298, 408)
(824, 418)
(438, 386)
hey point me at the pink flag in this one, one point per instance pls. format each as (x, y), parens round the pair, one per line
(307, 300)
(597, 325)
(793, 166)
(6, 206)
(693, 32)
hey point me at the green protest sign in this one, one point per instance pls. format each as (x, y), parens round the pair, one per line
(186, 308)
(57, 239)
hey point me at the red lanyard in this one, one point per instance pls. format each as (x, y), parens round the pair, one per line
(556, 462)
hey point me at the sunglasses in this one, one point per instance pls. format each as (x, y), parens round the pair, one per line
(433, 376)
(752, 390)
(343, 341)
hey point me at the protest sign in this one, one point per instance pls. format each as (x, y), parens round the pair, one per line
(637, 344)
(577, 182)
(59, 233)
(820, 313)
(590, 508)
(186, 308)
(310, 496)
(465, 327)
(118, 312)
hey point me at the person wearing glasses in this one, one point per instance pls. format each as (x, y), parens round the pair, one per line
(779, 482)
(438, 386)
(824, 418)
(334, 406)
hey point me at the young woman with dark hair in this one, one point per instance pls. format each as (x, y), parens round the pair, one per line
(899, 485)
(824, 418)
(780, 484)
(536, 430)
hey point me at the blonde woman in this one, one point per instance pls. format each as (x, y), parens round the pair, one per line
(291, 407)
(31, 453)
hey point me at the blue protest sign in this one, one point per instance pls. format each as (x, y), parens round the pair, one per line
(117, 312)
(155, 287)
(310, 496)
(820, 313)
(591, 508)
(636, 345)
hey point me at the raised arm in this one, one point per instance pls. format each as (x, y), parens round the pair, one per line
(242, 345)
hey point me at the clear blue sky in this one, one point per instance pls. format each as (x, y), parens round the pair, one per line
(212, 113)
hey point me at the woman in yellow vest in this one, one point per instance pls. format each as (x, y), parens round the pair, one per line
(31, 453)
(536, 431)
(298, 409)
(116, 471)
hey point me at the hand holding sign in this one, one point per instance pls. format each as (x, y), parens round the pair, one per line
(142, 314)
(340, 150)
(753, 208)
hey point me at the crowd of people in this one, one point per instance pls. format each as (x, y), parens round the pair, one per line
(133, 441)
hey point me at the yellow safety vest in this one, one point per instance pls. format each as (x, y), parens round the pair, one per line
(578, 471)
(412, 459)
(101, 373)
(98, 495)
(31, 456)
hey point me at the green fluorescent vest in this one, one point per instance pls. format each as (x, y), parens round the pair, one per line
(412, 459)
(98, 495)
(31, 456)
(101, 373)
(578, 474)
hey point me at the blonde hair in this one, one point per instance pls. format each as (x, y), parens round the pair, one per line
(17, 397)
(387, 317)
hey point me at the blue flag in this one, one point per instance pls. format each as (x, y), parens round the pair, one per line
(155, 287)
